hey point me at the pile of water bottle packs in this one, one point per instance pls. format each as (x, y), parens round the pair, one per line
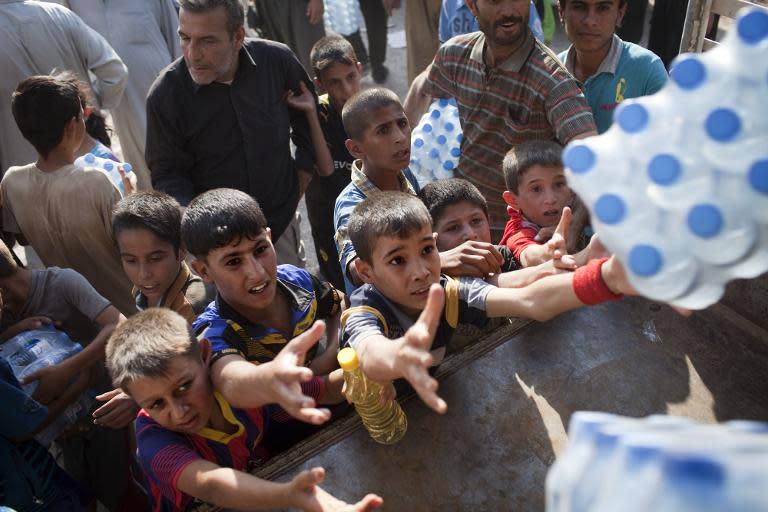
(660, 463)
(436, 142)
(342, 16)
(678, 186)
(33, 350)
(110, 168)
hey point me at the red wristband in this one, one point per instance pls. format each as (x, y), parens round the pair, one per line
(588, 284)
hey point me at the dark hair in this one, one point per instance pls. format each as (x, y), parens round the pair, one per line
(438, 195)
(331, 50)
(42, 106)
(358, 110)
(218, 218)
(385, 214)
(96, 122)
(154, 211)
(232, 8)
(8, 266)
(522, 157)
(562, 3)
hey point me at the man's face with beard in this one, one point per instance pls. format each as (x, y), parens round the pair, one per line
(504, 22)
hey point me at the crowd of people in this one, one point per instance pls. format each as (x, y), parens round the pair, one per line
(208, 345)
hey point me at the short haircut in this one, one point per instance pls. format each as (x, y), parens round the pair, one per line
(562, 3)
(218, 218)
(395, 214)
(42, 105)
(233, 9)
(154, 211)
(438, 195)
(144, 345)
(357, 112)
(522, 157)
(331, 50)
(96, 123)
(8, 266)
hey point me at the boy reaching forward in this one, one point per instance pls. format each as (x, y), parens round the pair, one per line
(407, 308)
(193, 445)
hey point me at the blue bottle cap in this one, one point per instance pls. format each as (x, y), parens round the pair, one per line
(753, 27)
(89, 158)
(448, 127)
(434, 154)
(632, 117)
(723, 124)
(579, 158)
(459, 138)
(427, 128)
(418, 142)
(441, 140)
(435, 114)
(705, 220)
(758, 176)
(688, 73)
(108, 166)
(645, 260)
(127, 168)
(664, 169)
(694, 469)
(610, 208)
(443, 102)
(448, 165)
(455, 152)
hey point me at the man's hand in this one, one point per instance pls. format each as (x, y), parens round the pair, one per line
(413, 359)
(472, 258)
(390, 5)
(288, 373)
(557, 246)
(315, 9)
(52, 380)
(309, 497)
(129, 180)
(304, 101)
(119, 411)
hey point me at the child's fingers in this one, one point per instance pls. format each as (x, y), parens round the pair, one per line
(369, 502)
(309, 478)
(306, 340)
(314, 415)
(565, 222)
(433, 310)
(109, 395)
(566, 262)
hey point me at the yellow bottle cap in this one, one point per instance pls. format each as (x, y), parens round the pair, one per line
(348, 359)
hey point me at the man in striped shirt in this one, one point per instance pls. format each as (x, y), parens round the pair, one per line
(509, 87)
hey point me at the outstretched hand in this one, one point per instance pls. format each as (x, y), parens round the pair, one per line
(52, 380)
(310, 497)
(289, 373)
(413, 358)
(304, 101)
(472, 258)
(557, 245)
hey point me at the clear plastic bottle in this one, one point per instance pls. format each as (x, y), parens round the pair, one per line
(386, 423)
(108, 166)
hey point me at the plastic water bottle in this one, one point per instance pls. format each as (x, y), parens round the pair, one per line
(678, 186)
(108, 166)
(691, 482)
(341, 16)
(71, 415)
(436, 142)
(386, 423)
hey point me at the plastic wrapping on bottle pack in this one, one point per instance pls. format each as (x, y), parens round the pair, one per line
(436, 142)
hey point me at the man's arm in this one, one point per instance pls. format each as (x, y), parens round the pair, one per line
(101, 60)
(167, 158)
(300, 134)
(417, 100)
(168, 20)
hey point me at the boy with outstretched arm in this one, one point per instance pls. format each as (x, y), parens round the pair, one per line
(193, 444)
(380, 140)
(401, 320)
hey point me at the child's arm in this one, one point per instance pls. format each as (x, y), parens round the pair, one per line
(55, 378)
(598, 281)
(306, 103)
(383, 359)
(472, 259)
(524, 276)
(246, 385)
(232, 489)
(555, 249)
(118, 411)
(326, 362)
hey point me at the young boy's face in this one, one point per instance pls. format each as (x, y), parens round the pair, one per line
(403, 268)
(385, 146)
(181, 400)
(150, 263)
(244, 272)
(542, 194)
(341, 82)
(461, 222)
